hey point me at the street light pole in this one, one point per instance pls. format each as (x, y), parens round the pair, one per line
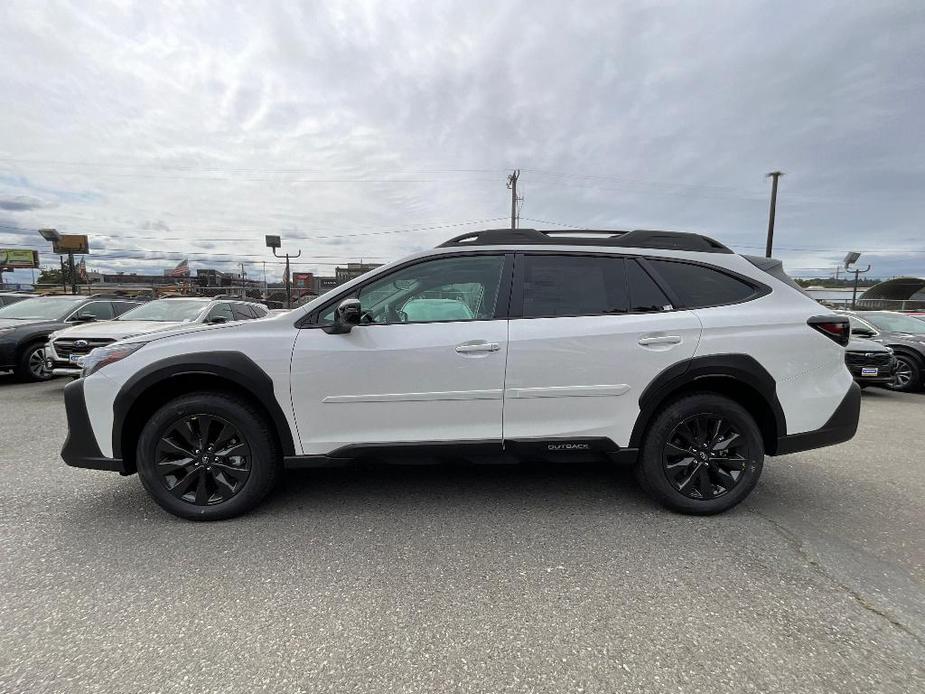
(274, 243)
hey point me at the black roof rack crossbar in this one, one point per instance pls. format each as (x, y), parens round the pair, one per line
(638, 238)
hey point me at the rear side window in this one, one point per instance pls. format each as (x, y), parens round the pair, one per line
(242, 312)
(120, 307)
(561, 285)
(698, 286)
(644, 294)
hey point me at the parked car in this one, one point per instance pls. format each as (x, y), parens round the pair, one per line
(870, 363)
(67, 348)
(662, 349)
(26, 325)
(904, 334)
(7, 298)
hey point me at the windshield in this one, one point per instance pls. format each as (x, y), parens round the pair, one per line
(174, 310)
(895, 322)
(40, 308)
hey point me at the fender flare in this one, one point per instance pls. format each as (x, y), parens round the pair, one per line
(739, 368)
(231, 366)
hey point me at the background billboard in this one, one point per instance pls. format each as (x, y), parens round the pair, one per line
(15, 258)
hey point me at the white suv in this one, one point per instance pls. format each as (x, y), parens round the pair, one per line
(662, 349)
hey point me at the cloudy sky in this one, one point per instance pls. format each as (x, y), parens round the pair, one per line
(374, 129)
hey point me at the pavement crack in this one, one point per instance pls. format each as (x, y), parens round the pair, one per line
(820, 569)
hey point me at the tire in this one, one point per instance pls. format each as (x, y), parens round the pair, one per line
(718, 459)
(31, 367)
(908, 378)
(216, 483)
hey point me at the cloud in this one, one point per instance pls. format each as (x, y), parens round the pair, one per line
(22, 203)
(202, 131)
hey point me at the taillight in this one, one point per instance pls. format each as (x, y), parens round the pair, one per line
(835, 327)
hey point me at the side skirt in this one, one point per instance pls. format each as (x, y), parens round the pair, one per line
(570, 450)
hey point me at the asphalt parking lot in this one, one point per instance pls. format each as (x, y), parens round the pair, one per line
(475, 579)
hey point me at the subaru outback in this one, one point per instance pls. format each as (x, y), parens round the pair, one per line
(665, 350)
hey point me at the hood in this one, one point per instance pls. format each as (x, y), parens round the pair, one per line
(13, 323)
(864, 345)
(117, 329)
(172, 329)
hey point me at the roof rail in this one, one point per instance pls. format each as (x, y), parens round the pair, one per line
(638, 238)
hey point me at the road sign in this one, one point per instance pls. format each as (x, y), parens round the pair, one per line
(16, 258)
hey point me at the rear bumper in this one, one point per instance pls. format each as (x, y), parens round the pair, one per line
(841, 427)
(80, 448)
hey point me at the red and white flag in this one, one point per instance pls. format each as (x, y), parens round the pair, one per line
(181, 270)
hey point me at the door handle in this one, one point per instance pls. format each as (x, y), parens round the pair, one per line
(660, 340)
(470, 347)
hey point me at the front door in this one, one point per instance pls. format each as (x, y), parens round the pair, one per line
(426, 364)
(587, 334)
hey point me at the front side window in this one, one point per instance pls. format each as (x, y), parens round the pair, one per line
(445, 289)
(100, 310)
(895, 322)
(220, 311)
(563, 285)
(698, 286)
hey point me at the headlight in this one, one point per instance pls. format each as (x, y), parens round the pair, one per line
(103, 356)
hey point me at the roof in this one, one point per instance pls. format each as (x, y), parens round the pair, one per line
(898, 289)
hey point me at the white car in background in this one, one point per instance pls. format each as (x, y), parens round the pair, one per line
(67, 348)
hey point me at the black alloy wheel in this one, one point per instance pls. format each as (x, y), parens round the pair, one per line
(705, 456)
(702, 454)
(203, 459)
(208, 456)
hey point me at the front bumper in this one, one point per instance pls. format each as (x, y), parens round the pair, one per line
(80, 448)
(884, 372)
(841, 427)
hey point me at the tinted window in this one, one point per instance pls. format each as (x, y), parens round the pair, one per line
(698, 286)
(445, 289)
(101, 310)
(242, 312)
(645, 296)
(220, 311)
(120, 307)
(561, 285)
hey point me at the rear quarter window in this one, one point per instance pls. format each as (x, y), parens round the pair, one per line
(699, 286)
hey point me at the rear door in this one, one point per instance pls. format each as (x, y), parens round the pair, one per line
(587, 334)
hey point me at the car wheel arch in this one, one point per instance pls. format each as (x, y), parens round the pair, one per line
(152, 386)
(738, 377)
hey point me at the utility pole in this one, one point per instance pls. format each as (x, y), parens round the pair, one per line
(774, 175)
(854, 294)
(73, 271)
(63, 275)
(512, 186)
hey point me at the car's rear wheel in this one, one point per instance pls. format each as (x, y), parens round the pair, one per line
(208, 456)
(908, 375)
(702, 454)
(32, 364)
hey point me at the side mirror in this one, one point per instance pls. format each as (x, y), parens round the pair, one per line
(862, 332)
(345, 317)
(84, 318)
(217, 319)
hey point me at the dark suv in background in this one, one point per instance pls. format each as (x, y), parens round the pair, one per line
(904, 334)
(26, 325)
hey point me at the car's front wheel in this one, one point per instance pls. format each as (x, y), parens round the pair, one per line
(702, 454)
(908, 375)
(32, 365)
(208, 456)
